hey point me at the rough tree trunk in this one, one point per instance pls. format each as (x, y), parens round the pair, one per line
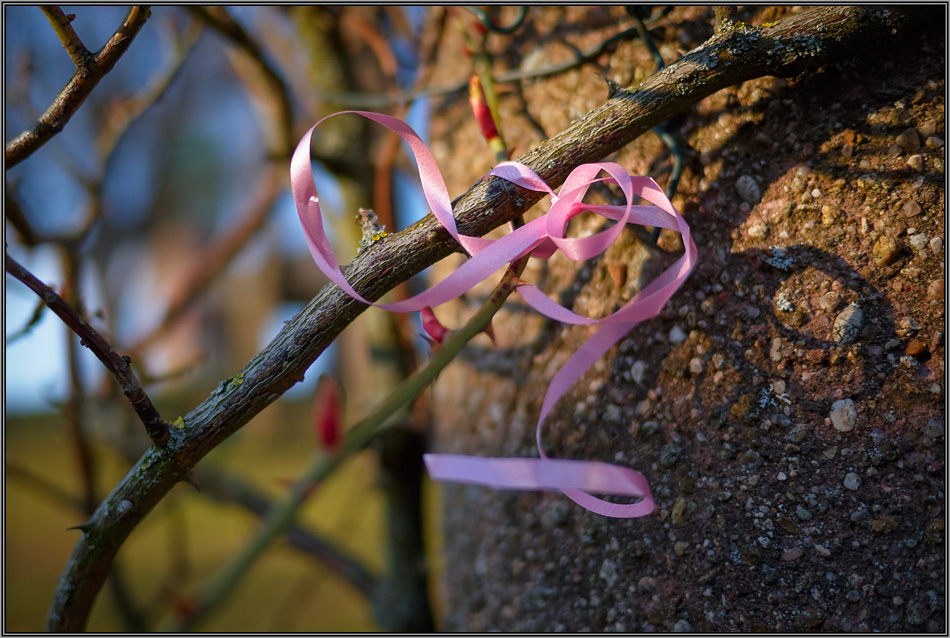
(769, 516)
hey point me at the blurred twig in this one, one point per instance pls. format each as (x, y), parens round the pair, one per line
(377, 100)
(128, 111)
(117, 365)
(217, 256)
(77, 89)
(274, 89)
(75, 403)
(30, 323)
(44, 486)
(490, 24)
(229, 488)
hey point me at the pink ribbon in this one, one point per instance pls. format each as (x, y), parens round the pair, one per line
(540, 238)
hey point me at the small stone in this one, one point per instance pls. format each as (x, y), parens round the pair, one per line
(677, 335)
(554, 515)
(696, 365)
(843, 415)
(670, 454)
(679, 512)
(829, 215)
(829, 301)
(608, 572)
(647, 583)
(883, 525)
(934, 142)
(936, 244)
(919, 242)
(792, 554)
(885, 250)
(934, 428)
(787, 524)
(822, 551)
(802, 513)
(916, 162)
(637, 370)
(915, 348)
(748, 189)
(848, 325)
(679, 547)
(928, 127)
(750, 458)
(682, 626)
(908, 140)
(759, 230)
(650, 427)
(934, 531)
(853, 596)
(910, 209)
(797, 433)
(852, 481)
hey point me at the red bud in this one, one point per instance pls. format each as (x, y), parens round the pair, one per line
(476, 97)
(328, 412)
(434, 329)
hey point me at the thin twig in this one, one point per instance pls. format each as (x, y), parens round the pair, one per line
(378, 100)
(44, 486)
(117, 365)
(226, 487)
(74, 405)
(742, 54)
(220, 20)
(62, 25)
(119, 121)
(217, 256)
(83, 81)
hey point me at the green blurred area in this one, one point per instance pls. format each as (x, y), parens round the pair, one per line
(188, 536)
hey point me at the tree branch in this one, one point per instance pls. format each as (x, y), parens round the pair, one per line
(78, 88)
(118, 366)
(274, 87)
(62, 25)
(225, 488)
(794, 45)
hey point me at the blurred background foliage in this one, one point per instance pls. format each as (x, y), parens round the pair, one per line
(162, 212)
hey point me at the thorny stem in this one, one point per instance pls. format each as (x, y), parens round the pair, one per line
(119, 366)
(357, 438)
(789, 47)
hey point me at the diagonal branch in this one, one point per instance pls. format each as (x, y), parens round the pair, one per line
(62, 25)
(117, 365)
(78, 88)
(792, 46)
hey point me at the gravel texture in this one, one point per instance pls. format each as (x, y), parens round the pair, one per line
(795, 450)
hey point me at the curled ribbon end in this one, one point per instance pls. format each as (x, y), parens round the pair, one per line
(574, 478)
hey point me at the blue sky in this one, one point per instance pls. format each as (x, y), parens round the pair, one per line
(35, 364)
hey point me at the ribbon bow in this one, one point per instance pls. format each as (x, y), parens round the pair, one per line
(538, 238)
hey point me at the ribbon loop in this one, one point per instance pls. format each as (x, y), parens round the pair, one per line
(539, 238)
